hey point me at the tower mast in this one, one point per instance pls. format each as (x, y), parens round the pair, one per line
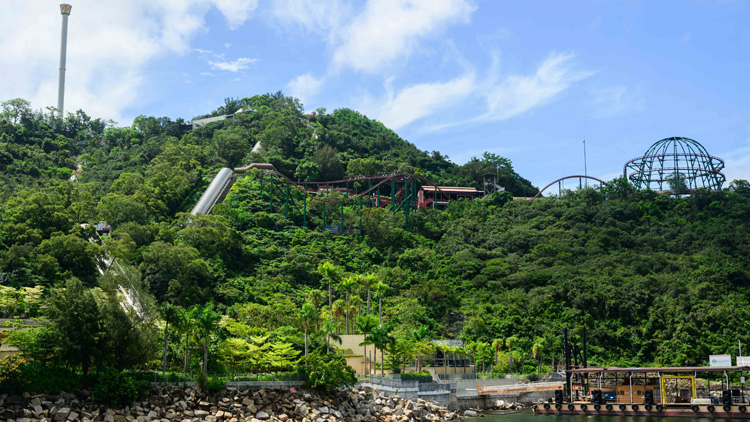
(65, 11)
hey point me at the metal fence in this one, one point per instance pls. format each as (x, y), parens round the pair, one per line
(270, 380)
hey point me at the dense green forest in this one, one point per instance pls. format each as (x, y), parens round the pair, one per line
(655, 279)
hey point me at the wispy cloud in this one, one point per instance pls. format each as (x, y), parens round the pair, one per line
(388, 30)
(616, 100)
(217, 61)
(512, 95)
(304, 87)
(518, 94)
(370, 39)
(233, 66)
(417, 101)
(114, 43)
(737, 163)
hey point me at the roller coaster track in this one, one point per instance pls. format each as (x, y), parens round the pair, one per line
(383, 178)
(225, 179)
(565, 178)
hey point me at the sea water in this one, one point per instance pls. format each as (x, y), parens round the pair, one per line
(529, 416)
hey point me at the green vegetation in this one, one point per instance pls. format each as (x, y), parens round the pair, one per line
(656, 279)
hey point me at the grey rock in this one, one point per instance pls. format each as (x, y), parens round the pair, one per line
(470, 414)
(262, 415)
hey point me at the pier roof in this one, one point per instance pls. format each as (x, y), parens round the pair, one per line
(662, 369)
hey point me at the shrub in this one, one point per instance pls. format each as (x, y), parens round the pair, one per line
(52, 379)
(119, 388)
(201, 381)
(328, 372)
(11, 374)
(215, 385)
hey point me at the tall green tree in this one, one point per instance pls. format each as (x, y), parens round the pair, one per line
(206, 321)
(170, 315)
(76, 323)
(366, 324)
(347, 284)
(331, 274)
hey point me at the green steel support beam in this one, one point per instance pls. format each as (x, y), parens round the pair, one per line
(271, 194)
(287, 201)
(393, 196)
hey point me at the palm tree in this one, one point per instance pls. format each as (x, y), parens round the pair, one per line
(511, 342)
(308, 315)
(185, 318)
(367, 281)
(316, 297)
(381, 338)
(347, 284)
(355, 302)
(331, 274)
(170, 314)
(497, 344)
(339, 308)
(380, 290)
(366, 324)
(329, 331)
(206, 325)
(537, 350)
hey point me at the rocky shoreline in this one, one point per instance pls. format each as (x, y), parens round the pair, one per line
(168, 404)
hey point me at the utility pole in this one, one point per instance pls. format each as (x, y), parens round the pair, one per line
(585, 169)
(65, 11)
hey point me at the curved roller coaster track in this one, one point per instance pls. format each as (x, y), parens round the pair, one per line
(577, 176)
(381, 179)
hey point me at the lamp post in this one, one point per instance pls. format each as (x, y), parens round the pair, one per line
(65, 11)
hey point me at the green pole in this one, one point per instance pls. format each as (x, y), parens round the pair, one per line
(271, 194)
(342, 219)
(378, 204)
(324, 216)
(287, 201)
(369, 186)
(393, 196)
(434, 198)
(360, 216)
(407, 200)
(261, 186)
(304, 213)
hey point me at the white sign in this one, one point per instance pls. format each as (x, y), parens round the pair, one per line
(720, 360)
(743, 360)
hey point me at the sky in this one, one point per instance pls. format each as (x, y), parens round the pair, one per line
(527, 80)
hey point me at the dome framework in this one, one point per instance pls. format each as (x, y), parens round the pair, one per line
(678, 165)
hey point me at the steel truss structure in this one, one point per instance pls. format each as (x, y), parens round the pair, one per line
(681, 164)
(396, 191)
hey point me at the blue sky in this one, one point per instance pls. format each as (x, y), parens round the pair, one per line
(526, 80)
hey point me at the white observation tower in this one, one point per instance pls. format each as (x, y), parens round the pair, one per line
(65, 11)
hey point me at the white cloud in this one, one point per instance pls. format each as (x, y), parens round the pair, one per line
(321, 17)
(737, 163)
(517, 94)
(388, 30)
(371, 38)
(616, 100)
(109, 46)
(235, 12)
(232, 66)
(420, 100)
(304, 87)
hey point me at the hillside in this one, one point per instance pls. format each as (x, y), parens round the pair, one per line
(655, 279)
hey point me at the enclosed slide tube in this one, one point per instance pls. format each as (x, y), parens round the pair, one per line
(216, 190)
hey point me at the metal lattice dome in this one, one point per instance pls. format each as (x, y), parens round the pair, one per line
(676, 165)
